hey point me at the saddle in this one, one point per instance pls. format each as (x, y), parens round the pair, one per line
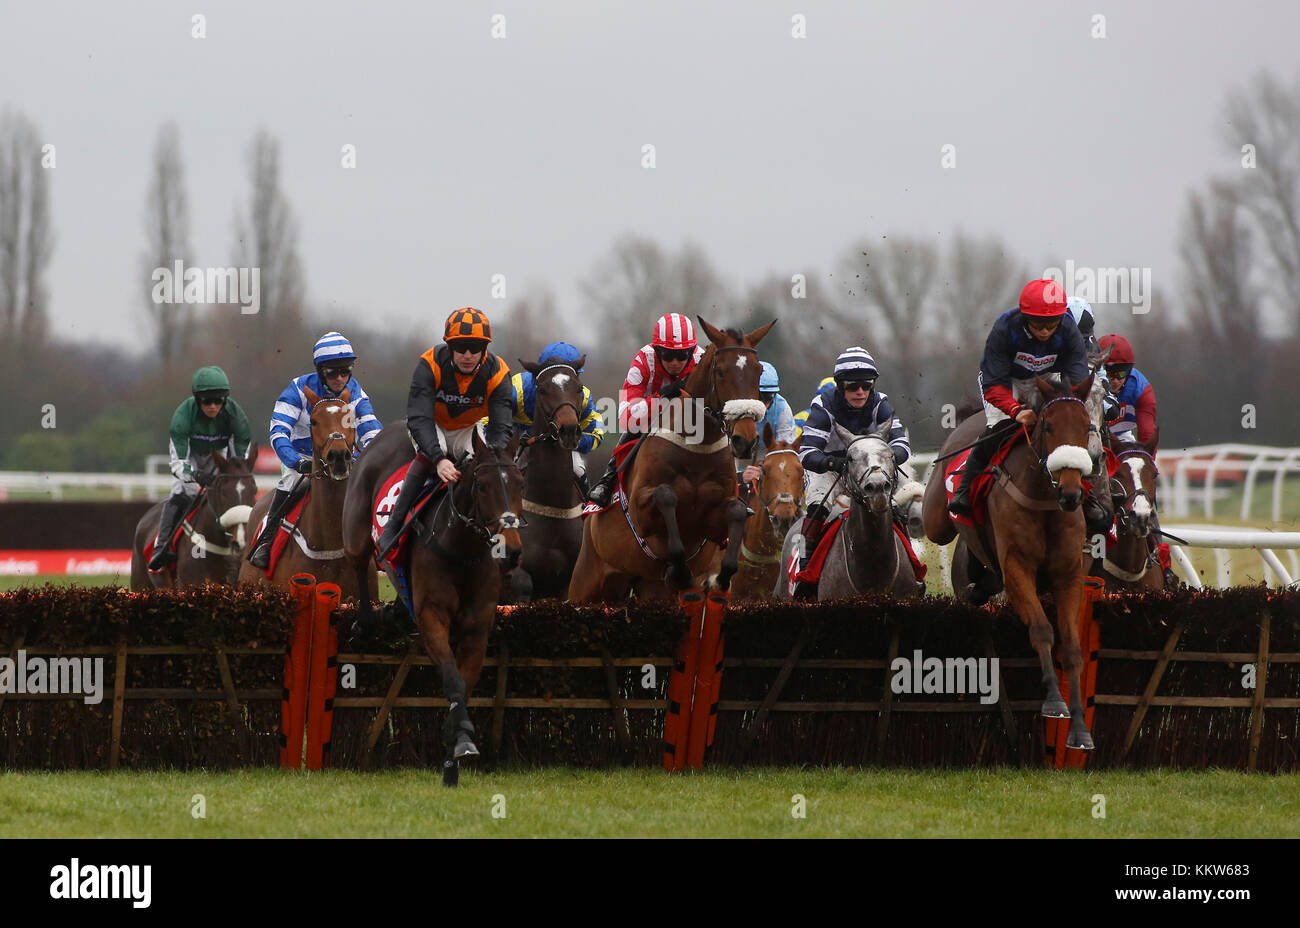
(284, 532)
(400, 555)
(623, 456)
(813, 572)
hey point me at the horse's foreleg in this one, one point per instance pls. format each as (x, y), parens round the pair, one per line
(666, 501)
(457, 731)
(1069, 605)
(1022, 591)
(737, 516)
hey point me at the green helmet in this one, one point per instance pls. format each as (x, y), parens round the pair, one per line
(210, 380)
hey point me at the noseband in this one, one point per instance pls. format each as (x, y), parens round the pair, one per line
(720, 418)
(481, 530)
(349, 446)
(857, 491)
(1039, 436)
(552, 432)
(777, 497)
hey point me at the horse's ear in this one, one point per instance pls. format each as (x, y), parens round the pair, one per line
(883, 432)
(845, 435)
(1149, 446)
(346, 395)
(1105, 354)
(715, 334)
(312, 398)
(1045, 387)
(219, 458)
(476, 442)
(531, 366)
(251, 459)
(767, 435)
(1083, 389)
(798, 440)
(580, 363)
(756, 336)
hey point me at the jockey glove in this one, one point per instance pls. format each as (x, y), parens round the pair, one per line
(899, 456)
(836, 464)
(204, 479)
(303, 466)
(673, 390)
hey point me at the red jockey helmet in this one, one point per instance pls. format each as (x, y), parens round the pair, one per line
(674, 331)
(1123, 351)
(1044, 299)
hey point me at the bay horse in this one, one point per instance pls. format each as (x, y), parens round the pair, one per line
(778, 495)
(552, 533)
(681, 488)
(1130, 565)
(316, 546)
(867, 554)
(1035, 530)
(216, 536)
(461, 546)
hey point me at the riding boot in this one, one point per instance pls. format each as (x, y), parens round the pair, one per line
(412, 484)
(173, 511)
(581, 481)
(260, 556)
(1096, 516)
(814, 524)
(977, 461)
(603, 489)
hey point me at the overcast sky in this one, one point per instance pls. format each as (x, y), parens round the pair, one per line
(522, 155)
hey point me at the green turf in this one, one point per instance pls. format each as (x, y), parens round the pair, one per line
(637, 803)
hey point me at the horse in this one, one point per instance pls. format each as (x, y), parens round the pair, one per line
(552, 534)
(867, 554)
(316, 546)
(216, 537)
(779, 492)
(1036, 530)
(680, 489)
(1130, 564)
(462, 545)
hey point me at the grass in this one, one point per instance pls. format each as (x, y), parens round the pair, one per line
(561, 802)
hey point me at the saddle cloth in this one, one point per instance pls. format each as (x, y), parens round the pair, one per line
(615, 498)
(813, 572)
(281, 540)
(400, 554)
(173, 543)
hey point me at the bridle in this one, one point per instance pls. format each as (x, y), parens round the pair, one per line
(720, 418)
(318, 469)
(482, 530)
(1139, 491)
(777, 498)
(552, 431)
(1039, 436)
(211, 507)
(855, 489)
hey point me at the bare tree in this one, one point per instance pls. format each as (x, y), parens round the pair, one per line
(892, 285)
(982, 280)
(1223, 305)
(810, 333)
(25, 240)
(1267, 116)
(167, 226)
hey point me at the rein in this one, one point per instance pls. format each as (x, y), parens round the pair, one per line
(318, 470)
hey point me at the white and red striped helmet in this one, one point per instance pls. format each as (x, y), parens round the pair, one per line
(674, 331)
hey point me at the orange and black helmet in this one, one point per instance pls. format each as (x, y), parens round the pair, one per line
(467, 324)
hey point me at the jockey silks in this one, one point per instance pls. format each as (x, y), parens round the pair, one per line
(443, 395)
(1012, 353)
(1137, 408)
(820, 440)
(194, 436)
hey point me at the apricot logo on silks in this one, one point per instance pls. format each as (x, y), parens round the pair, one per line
(103, 881)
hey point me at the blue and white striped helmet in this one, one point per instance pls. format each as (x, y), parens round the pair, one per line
(768, 381)
(332, 347)
(855, 364)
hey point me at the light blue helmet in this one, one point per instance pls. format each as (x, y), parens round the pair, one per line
(563, 352)
(332, 347)
(768, 381)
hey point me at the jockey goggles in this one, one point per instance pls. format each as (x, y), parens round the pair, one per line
(331, 372)
(471, 345)
(1118, 371)
(208, 399)
(1043, 324)
(853, 386)
(675, 354)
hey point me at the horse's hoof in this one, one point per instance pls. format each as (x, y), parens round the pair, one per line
(1056, 709)
(465, 748)
(450, 773)
(1080, 742)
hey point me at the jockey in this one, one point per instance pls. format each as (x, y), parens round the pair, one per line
(1039, 337)
(801, 418)
(778, 416)
(1081, 310)
(453, 386)
(660, 370)
(1135, 419)
(856, 405)
(207, 421)
(523, 398)
(333, 358)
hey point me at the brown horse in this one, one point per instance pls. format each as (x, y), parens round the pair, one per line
(778, 496)
(216, 536)
(1035, 527)
(681, 488)
(1130, 565)
(316, 546)
(464, 541)
(552, 533)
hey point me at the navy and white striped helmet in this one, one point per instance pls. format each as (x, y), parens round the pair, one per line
(332, 347)
(855, 364)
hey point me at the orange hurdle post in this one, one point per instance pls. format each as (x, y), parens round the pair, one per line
(324, 674)
(708, 678)
(681, 683)
(293, 702)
